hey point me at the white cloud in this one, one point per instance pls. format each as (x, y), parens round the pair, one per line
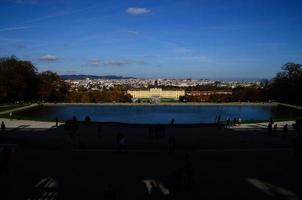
(133, 32)
(15, 28)
(198, 58)
(118, 62)
(137, 11)
(48, 57)
(121, 62)
(61, 13)
(273, 44)
(24, 1)
(183, 50)
(21, 46)
(94, 61)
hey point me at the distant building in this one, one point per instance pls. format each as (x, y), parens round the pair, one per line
(206, 95)
(156, 93)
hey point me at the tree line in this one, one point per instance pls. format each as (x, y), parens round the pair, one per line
(21, 82)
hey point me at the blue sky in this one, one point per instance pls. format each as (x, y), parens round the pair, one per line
(160, 39)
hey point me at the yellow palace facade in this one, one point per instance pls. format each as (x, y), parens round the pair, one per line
(156, 92)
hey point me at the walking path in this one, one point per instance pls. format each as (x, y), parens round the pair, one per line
(27, 124)
(290, 105)
(263, 125)
(18, 109)
(24, 124)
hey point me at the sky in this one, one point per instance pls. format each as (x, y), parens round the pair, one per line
(215, 39)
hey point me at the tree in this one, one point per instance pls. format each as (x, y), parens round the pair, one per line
(18, 80)
(52, 87)
(287, 84)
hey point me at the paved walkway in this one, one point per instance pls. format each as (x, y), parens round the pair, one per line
(27, 124)
(263, 125)
(24, 124)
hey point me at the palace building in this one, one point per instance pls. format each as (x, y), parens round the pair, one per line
(156, 93)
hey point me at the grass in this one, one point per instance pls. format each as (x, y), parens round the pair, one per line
(43, 119)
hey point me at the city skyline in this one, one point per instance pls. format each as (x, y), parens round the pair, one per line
(154, 39)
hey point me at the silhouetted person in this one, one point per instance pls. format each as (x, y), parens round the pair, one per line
(270, 128)
(228, 122)
(118, 139)
(275, 128)
(234, 121)
(239, 121)
(57, 121)
(172, 122)
(285, 129)
(87, 120)
(109, 193)
(218, 119)
(271, 120)
(121, 142)
(3, 128)
(172, 143)
(74, 119)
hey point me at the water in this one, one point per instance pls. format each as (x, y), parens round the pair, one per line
(159, 114)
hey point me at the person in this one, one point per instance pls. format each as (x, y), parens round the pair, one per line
(11, 116)
(123, 143)
(3, 126)
(234, 121)
(239, 121)
(270, 128)
(172, 122)
(228, 122)
(74, 119)
(218, 119)
(285, 129)
(275, 128)
(57, 121)
(87, 120)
